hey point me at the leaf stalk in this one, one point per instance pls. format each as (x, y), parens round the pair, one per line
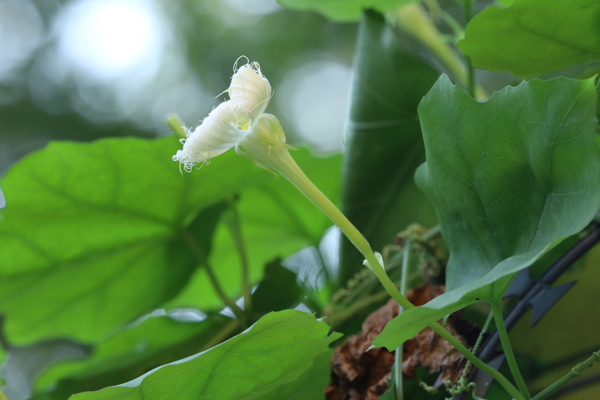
(235, 227)
(202, 259)
(508, 351)
(399, 351)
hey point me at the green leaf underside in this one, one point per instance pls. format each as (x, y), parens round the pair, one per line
(274, 351)
(276, 219)
(91, 233)
(343, 10)
(310, 385)
(384, 145)
(131, 351)
(531, 38)
(509, 178)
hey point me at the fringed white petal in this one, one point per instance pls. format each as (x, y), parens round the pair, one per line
(250, 90)
(218, 133)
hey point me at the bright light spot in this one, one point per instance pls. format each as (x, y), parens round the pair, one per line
(254, 7)
(108, 39)
(315, 98)
(330, 250)
(20, 33)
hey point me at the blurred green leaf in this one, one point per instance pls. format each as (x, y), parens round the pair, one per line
(384, 146)
(343, 11)
(509, 178)
(276, 220)
(530, 38)
(132, 351)
(274, 351)
(92, 233)
(278, 289)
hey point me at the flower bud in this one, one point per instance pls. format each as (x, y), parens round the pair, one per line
(250, 90)
(379, 259)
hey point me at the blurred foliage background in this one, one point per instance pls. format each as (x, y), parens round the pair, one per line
(85, 69)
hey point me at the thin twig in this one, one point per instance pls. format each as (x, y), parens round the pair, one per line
(202, 259)
(235, 227)
(470, 70)
(403, 289)
(508, 351)
(574, 373)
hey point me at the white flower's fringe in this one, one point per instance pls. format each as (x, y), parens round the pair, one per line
(218, 133)
(250, 89)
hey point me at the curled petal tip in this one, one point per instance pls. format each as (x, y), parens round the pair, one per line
(250, 90)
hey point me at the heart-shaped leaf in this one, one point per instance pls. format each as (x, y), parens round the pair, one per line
(509, 179)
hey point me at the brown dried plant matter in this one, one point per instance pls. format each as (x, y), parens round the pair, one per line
(357, 374)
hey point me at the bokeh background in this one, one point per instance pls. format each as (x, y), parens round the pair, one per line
(83, 69)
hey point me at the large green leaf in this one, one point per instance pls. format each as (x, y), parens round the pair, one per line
(509, 179)
(276, 220)
(384, 144)
(130, 352)
(343, 10)
(533, 37)
(92, 233)
(274, 351)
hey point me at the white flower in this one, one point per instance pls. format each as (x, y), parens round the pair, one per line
(228, 125)
(250, 90)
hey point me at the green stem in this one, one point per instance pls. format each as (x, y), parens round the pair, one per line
(508, 351)
(574, 373)
(405, 267)
(415, 21)
(176, 125)
(470, 70)
(279, 159)
(403, 289)
(235, 228)
(202, 259)
(501, 379)
(431, 233)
